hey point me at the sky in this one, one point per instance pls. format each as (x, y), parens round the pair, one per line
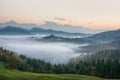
(94, 14)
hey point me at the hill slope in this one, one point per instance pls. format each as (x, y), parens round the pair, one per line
(106, 36)
(98, 47)
(102, 41)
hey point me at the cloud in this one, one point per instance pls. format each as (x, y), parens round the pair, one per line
(63, 19)
(60, 19)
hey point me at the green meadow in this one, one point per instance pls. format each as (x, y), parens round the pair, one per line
(6, 74)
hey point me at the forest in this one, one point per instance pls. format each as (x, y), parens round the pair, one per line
(105, 66)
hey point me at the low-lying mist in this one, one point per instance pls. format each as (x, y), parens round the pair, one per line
(51, 52)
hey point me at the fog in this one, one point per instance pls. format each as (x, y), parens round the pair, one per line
(51, 52)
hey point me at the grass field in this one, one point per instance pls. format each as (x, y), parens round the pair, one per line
(6, 74)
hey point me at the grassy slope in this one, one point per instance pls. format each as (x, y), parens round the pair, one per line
(6, 74)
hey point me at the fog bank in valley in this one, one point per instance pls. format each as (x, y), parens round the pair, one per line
(53, 52)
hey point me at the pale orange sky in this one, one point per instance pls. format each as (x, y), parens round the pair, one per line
(95, 14)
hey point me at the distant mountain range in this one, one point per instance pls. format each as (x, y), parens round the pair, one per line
(50, 31)
(100, 38)
(97, 40)
(15, 24)
(10, 30)
(52, 26)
